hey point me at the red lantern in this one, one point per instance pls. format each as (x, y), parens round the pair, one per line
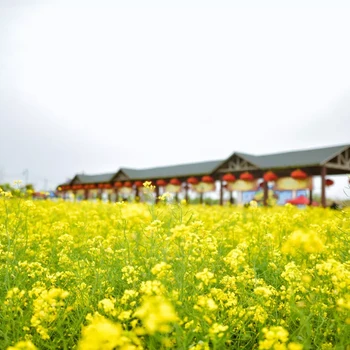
(161, 183)
(127, 184)
(207, 179)
(138, 184)
(118, 184)
(175, 182)
(301, 200)
(329, 182)
(246, 176)
(192, 180)
(107, 186)
(229, 178)
(270, 176)
(298, 174)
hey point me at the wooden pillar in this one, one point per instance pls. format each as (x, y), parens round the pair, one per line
(323, 186)
(266, 192)
(86, 194)
(186, 192)
(157, 194)
(221, 192)
(231, 197)
(99, 194)
(310, 196)
(176, 197)
(201, 198)
(137, 197)
(116, 194)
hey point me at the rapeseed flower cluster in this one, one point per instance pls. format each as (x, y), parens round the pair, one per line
(136, 276)
(103, 334)
(156, 313)
(47, 305)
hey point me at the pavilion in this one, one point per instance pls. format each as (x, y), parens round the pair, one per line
(238, 168)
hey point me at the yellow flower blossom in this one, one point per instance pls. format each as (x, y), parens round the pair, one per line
(206, 276)
(301, 241)
(107, 305)
(274, 338)
(161, 270)
(156, 314)
(23, 345)
(102, 334)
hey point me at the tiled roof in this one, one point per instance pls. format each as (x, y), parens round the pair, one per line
(309, 157)
(181, 170)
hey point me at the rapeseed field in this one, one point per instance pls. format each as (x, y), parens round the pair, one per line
(91, 276)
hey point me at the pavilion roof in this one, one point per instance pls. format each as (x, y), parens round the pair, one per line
(90, 179)
(302, 158)
(180, 170)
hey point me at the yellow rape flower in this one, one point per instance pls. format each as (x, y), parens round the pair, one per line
(217, 330)
(102, 334)
(107, 305)
(274, 338)
(304, 242)
(206, 276)
(161, 270)
(295, 346)
(156, 314)
(23, 345)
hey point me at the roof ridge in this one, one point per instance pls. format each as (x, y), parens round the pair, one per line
(300, 150)
(125, 168)
(98, 174)
(246, 154)
(173, 165)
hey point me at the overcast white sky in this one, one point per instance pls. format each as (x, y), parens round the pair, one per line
(95, 85)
